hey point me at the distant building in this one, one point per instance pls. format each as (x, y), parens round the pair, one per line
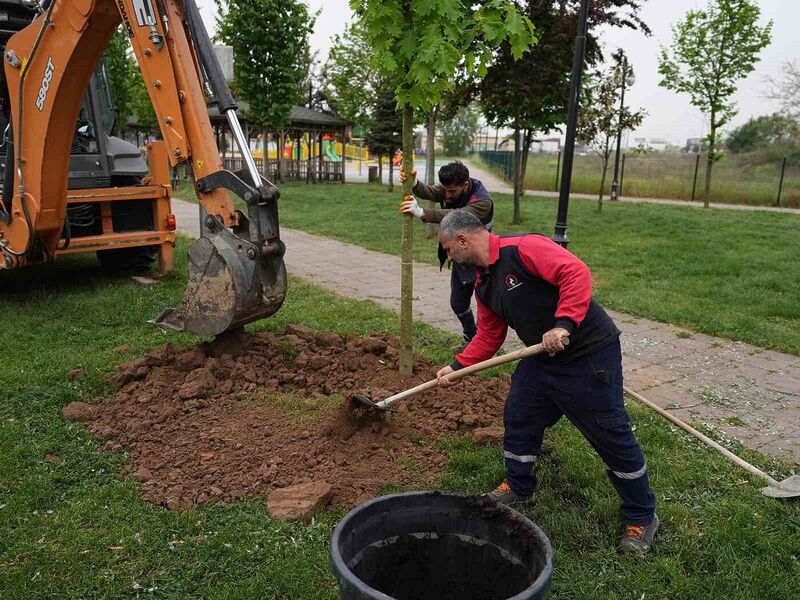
(549, 145)
(694, 146)
(658, 144)
(654, 144)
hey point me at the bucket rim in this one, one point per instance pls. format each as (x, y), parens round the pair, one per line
(342, 571)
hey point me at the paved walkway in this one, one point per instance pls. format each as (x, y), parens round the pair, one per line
(742, 391)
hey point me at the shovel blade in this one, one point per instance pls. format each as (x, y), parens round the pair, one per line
(362, 401)
(788, 488)
(230, 284)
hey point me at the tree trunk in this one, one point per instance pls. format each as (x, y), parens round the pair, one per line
(380, 168)
(707, 192)
(281, 147)
(407, 265)
(515, 175)
(391, 175)
(309, 161)
(430, 165)
(265, 145)
(712, 149)
(602, 182)
(526, 148)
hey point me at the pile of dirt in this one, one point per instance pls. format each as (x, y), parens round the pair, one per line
(224, 420)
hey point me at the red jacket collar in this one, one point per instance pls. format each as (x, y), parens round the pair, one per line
(494, 248)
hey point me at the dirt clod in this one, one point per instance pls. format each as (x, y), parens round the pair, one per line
(488, 435)
(299, 502)
(77, 374)
(203, 426)
(301, 331)
(78, 411)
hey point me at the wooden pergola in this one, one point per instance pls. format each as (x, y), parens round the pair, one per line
(306, 127)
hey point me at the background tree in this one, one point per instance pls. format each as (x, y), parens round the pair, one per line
(600, 118)
(787, 89)
(385, 129)
(420, 44)
(531, 95)
(459, 131)
(138, 101)
(762, 131)
(119, 65)
(351, 83)
(270, 44)
(711, 51)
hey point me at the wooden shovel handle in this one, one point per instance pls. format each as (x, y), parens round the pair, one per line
(703, 438)
(456, 375)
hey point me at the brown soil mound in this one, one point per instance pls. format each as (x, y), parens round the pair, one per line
(204, 426)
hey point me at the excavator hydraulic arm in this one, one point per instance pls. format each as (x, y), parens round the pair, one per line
(236, 269)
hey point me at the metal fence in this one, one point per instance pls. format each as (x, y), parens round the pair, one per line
(501, 162)
(312, 171)
(736, 179)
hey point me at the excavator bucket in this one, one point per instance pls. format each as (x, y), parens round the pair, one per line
(236, 276)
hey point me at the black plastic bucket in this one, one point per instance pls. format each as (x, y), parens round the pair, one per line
(436, 546)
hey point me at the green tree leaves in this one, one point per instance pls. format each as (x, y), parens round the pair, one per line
(440, 37)
(119, 68)
(457, 133)
(711, 51)
(270, 42)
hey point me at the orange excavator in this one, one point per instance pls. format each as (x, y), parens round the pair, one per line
(52, 49)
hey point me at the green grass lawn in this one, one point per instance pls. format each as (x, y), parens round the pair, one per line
(735, 179)
(75, 527)
(728, 273)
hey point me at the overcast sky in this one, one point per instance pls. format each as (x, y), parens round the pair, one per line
(670, 115)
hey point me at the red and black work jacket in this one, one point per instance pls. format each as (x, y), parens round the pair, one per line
(533, 285)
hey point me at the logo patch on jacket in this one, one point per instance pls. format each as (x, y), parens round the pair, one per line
(512, 281)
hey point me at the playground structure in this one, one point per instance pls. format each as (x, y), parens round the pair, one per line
(332, 149)
(315, 146)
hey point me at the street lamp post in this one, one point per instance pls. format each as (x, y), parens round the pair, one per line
(625, 80)
(560, 233)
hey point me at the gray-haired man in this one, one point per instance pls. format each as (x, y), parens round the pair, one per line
(544, 292)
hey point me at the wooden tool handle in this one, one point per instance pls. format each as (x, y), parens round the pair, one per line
(456, 375)
(703, 438)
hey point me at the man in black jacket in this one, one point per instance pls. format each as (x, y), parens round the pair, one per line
(456, 190)
(544, 292)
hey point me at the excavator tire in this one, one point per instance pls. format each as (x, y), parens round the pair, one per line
(137, 259)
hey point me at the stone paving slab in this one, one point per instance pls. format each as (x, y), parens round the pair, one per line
(744, 392)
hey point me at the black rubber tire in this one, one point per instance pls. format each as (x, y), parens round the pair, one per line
(138, 259)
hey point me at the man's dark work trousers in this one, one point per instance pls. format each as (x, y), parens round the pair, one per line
(588, 391)
(462, 284)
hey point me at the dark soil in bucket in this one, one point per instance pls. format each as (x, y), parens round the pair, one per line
(447, 567)
(217, 423)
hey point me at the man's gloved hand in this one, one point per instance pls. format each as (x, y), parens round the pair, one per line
(409, 206)
(553, 341)
(413, 176)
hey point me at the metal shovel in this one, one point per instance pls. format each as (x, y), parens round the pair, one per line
(788, 488)
(386, 404)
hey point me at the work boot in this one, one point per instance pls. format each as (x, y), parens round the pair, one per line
(505, 495)
(638, 539)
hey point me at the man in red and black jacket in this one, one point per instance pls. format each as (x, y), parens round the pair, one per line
(544, 293)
